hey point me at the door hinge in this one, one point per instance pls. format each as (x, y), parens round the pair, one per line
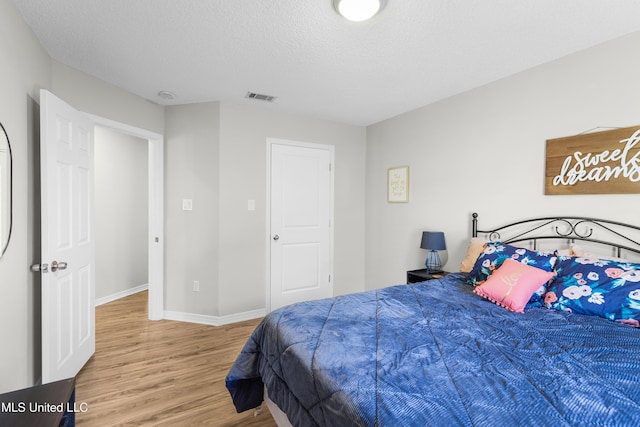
(329, 278)
(329, 167)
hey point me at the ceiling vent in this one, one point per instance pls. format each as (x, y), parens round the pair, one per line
(260, 97)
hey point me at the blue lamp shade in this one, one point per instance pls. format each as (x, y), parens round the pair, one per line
(433, 241)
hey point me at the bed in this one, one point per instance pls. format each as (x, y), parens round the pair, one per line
(467, 349)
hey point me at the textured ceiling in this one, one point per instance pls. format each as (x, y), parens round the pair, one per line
(316, 63)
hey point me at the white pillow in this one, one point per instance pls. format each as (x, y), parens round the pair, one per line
(565, 252)
(579, 251)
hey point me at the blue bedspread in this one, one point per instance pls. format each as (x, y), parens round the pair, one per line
(434, 353)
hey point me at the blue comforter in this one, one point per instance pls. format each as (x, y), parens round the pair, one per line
(434, 353)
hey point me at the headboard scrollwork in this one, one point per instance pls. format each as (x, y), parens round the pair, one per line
(613, 234)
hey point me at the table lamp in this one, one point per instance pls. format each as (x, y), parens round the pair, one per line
(433, 241)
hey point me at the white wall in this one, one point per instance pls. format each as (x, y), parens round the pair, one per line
(122, 212)
(25, 69)
(484, 151)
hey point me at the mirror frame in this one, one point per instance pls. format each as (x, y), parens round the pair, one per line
(9, 198)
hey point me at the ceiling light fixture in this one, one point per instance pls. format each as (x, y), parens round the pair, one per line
(358, 10)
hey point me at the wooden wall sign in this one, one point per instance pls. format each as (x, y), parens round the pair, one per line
(594, 163)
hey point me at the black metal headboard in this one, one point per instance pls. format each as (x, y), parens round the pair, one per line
(613, 234)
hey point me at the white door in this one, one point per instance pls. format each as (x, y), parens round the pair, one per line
(68, 249)
(301, 215)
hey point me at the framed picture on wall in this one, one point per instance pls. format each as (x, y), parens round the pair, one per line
(398, 184)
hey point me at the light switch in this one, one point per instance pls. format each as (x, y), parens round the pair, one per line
(187, 204)
(251, 205)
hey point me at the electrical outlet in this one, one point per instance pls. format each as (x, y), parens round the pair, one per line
(196, 286)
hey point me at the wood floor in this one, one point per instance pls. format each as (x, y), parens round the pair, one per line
(160, 373)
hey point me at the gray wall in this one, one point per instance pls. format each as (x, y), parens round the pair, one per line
(91, 95)
(122, 212)
(484, 151)
(191, 172)
(216, 155)
(243, 150)
(25, 69)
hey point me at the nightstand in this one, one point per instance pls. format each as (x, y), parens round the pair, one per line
(421, 275)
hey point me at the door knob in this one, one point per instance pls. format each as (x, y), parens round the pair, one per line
(276, 237)
(44, 268)
(40, 268)
(55, 266)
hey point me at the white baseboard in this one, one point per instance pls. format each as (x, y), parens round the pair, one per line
(121, 294)
(189, 317)
(214, 320)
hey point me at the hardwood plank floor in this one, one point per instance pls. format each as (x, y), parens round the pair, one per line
(160, 373)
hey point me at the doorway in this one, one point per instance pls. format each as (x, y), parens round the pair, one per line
(121, 214)
(155, 236)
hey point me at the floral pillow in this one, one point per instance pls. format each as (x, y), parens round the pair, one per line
(597, 287)
(494, 254)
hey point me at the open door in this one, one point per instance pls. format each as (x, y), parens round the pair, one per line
(68, 248)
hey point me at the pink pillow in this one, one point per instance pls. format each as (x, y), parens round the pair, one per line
(512, 285)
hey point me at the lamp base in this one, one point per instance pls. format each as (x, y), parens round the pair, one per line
(433, 264)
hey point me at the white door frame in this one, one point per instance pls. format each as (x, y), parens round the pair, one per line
(270, 142)
(156, 210)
